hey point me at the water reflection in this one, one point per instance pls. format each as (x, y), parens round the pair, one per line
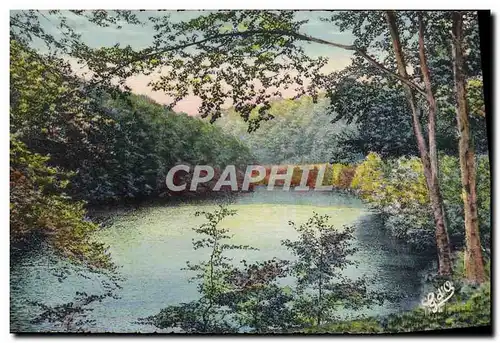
(153, 243)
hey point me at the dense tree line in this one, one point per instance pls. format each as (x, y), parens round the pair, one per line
(304, 131)
(301, 132)
(71, 143)
(117, 145)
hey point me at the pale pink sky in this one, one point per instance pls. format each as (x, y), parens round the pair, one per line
(190, 104)
(139, 37)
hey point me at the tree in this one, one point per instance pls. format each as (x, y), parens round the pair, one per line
(453, 69)
(41, 212)
(474, 266)
(427, 154)
(322, 252)
(209, 313)
(422, 46)
(51, 108)
(379, 113)
(259, 304)
(118, 145)
(399, 48)
(301, 132)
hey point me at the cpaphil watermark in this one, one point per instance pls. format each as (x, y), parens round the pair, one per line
(254, 175)
(434, 303)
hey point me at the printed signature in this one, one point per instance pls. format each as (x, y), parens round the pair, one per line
(435, 303)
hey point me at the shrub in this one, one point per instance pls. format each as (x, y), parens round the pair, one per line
(475, 311)
(369, 178)
(342, 175)
(41, 212)
(398, 188)
(368, 326)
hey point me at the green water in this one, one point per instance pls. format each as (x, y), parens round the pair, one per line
(153, 243)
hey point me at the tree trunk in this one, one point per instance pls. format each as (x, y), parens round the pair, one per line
(437, 201)
(474, 268)
(429, 158)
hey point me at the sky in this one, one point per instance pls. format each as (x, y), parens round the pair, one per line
(139, 37)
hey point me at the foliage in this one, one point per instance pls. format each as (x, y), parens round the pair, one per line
(475, 311)
(51, 109)
(207, 314)
(452, 194)
(342, 175)
(322, 252)
(43, 217)
(397, 188)
(217, 56)
(144, 142)
(248, 298)
(361, 94)
(484, 195)
(361, 326)
(259, 304)
(52, 123)
(300, 133)
(475, 97)
(369, 177)
(71, 316)
(250, 57)
(40, 211)
(380, 114)
(119, 146)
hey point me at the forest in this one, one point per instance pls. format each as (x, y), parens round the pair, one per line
(402, 128)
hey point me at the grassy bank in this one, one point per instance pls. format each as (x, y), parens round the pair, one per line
(474, 311)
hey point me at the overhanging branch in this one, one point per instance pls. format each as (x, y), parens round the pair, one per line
(297, 35)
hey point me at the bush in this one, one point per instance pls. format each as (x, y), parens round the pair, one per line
(398, 189)
(475, 311)
(342, 176)
(41, 212)
(369, 179)
(368, 326)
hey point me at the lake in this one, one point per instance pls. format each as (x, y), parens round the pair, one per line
(152, 243)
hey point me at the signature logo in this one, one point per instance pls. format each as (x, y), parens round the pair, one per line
(435, 302)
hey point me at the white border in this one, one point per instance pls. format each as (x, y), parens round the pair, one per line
(256, 4)
(197, 4)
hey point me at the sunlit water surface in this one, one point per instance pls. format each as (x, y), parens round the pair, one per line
(152, 243)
